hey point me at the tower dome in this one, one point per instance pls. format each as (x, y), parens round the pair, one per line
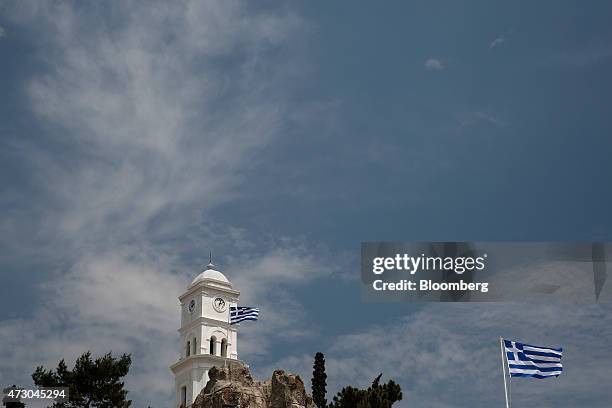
(212, 276)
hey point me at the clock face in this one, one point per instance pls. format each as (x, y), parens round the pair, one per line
(192, 305)
(219, 304)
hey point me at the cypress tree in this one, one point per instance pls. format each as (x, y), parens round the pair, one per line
(318, 381)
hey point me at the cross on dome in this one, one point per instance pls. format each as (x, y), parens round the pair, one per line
(210, 265)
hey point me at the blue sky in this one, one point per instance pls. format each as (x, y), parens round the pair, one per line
(137, 137)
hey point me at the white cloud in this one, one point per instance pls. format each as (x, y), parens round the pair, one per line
(268, 280)
(434, 64)
(497, 42)
(143, 106)
(472, 118)
(2, 32)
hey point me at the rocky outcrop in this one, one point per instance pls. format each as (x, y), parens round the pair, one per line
(233, 386)
(287, 391)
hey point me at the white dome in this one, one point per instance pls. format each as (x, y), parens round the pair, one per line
(211, 275)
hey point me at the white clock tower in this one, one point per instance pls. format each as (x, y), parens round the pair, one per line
(207, 339)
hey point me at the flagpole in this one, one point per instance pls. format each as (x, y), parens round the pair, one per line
(501, 344)
(227, 347)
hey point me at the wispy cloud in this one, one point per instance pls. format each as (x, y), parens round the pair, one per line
(2, 32)
(497, 42)
(469, 119)
(140, 107)
(434, 64)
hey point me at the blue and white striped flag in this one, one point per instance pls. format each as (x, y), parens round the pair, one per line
(240, 313)
(533, 361)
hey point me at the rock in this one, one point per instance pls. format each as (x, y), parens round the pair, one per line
(287, 390)
(233, 386)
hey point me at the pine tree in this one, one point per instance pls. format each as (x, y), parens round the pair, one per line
(376, 396)
(91, 383)
(318, 381)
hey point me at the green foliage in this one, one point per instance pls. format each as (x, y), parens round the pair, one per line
(91, 383)
(318, 381)
(376, 396)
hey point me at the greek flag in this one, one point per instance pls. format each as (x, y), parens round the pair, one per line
(240, 313)
(533, 361)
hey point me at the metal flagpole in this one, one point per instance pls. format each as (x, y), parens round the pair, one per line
(227, 342)
(501, 344)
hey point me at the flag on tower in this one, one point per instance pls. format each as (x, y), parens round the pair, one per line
(532, 361)
(240, 313)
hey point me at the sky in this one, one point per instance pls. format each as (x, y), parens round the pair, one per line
(138, 136)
